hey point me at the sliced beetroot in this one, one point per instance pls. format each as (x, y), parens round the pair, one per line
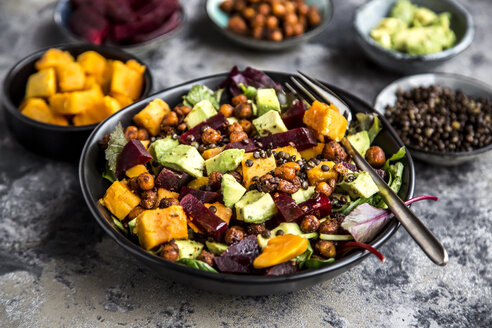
(248, 77)
(203, 218)
(89, 24)
(287, 207)
(133, 153)
(97, 5)
(170, 24)
(239, 257)
(282, 269)
(217, 122)
(119, 11)
(319, 206)
(172, 180)
(301, 138)
(294, 115)
(201, 195)
(248, 145)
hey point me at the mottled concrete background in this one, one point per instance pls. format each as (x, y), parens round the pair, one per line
(58, 269)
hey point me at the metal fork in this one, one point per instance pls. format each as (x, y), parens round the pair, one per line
(304, 86)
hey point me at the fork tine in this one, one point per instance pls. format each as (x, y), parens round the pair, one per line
(294, 91)
(303, 89)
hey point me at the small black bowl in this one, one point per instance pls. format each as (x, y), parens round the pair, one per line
(94, 186)
(55, 141)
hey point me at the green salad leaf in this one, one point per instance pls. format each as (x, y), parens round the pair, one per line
(248, 91)
(196, 264)
(200, 92)
(374, 129)
(315, 263)
(116, 143)
(301, 259)
(108, 174)
(396, 157)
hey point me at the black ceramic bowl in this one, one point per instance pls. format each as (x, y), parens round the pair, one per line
(369, 15)
(59, 142)
(94, 187)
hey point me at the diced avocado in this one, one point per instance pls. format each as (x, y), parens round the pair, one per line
(404, 10)
(362, 186)
(200, 112)
(184, 158)
(360, 141)
(424, 16)
(303, 194)
(232, 191)
(226, 161)
(266, 100)
(160, 146)
(286, 227)
(232, 120)
(269, 123)
(188, 249)
(216, 248)
(255, 207)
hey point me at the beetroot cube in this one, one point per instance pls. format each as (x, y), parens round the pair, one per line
(293, 116)
(172, 180)
(302, 138)
(248, 145)
(119, 11)
(133, 153)
(170, 24)
(287, 207)
(282, 269)
(89, 24)
(319, 206)
(239, 257)
(201, 195)
(203, 218)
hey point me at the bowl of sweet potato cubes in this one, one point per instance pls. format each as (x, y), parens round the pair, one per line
(55, 97)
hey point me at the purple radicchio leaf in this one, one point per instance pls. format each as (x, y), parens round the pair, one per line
(248, 77)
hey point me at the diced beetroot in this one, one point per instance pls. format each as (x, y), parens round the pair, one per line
(170, 24)
(248, 145)
(319, 206)
(293, 116)
(172, 180)
(96, 5)
(282, 269)
(133, 153)
(203, 218)
(287, 207)
(217, 122)
(119, 11)
(89, 24)
(201, 195)
(249, 77)
(239, 257)
(302, 138)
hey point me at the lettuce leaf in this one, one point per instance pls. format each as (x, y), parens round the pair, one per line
(117, 142)
(108, 174)
(396, 157)
(248, 91)
(200, 92)
(196, 264)
(369, 123)
(316, 263)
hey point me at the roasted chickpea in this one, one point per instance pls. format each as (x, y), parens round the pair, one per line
(182, 110)
(206, 257)
(142, 134)
(276, 35)
(258, 32)
(289, 187)
(215, 179)
(237, 25)
(234, 127)
(167, 202)
(258, 21)
(133, 185)
(264, 9)
(234, 235)
(375, 157)
(329, 226)
(325, 248)
(278, 9)
(211, 136)
(298, 29)
(181, 127)
(288, 30)
(246, 125)
(227, 6)
(145, 181)
(255, 229)
(290, 19)
(226, 110)
(236, 136)
(271, 22)
(170, 251)
(293, 165)
(135, 212)
(167, 131)
(243, 110)
(148, 199)
(289, 7)
(302, 9)
(341, 169)
(326, 188)
(171, 119)
(239, 5)
(131, 132)
(248, 13)
(239, 99)
(285, 172)
(236, 175)
(333, 151)
(310, 223)
(313, 16)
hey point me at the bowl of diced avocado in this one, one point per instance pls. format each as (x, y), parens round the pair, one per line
(413, 36)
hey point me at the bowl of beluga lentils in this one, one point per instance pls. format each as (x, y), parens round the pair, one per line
(444, 119)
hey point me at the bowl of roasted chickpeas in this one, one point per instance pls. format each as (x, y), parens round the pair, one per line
(270, 24)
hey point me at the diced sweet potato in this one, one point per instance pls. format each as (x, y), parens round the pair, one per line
(53, 58)
(151, 116)
(326, 120)
(126, 80)
(60, 120)
(37, 109)
(316, 174)
(260, 167)
(70, 76)
(313, 152)
(98, 112)
(212, 152)
(136, 170)
(281, 249)
(136, 66)
(289, 150)
(164, 193)
(155, 227)
(119, 199)
(198, 183)
(76, 102)
(122, 99)
(41, 84)
(92, 63)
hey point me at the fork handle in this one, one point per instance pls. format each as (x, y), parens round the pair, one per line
(431, 246)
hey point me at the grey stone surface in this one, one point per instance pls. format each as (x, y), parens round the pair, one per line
(58, 269)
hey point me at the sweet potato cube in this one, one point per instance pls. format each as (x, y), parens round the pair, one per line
(313, 152)
(120, 200)
(60, 120)
(122, 99)
(136, 170)
(164, 193)
(92, 63)
(292, 151)
(159, 226)
(260, 167)
(151, 116)
(136, 66)
(212, 152)
(198, 183)
(71, 77)
(41, 84)
(316, 174)
(76, 102)
(126, 80)
(326, 120)
(37, 109)
(53, 58)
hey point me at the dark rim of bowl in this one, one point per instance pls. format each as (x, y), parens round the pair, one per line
(137, 251)
(459, 47)
(66, 47)
(475, 82)
(292, 40)
(163, 37)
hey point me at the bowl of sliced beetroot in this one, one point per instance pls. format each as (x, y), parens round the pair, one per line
(135, 26)
(237, 187)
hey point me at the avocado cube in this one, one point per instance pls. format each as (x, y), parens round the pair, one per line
(226, 161)
(215, 247)
(255, 207)
(184, 158)
(362, 186)
(232, 191)
(188, 249)
(287, 227)
(266, 100)
(159, 147)
(269, 123)
(200, 112)
(360, 141)
(303, 194)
